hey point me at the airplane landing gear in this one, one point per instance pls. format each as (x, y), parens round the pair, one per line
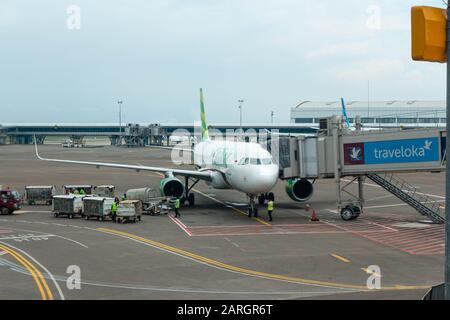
(188, 196)
(252, 209)
(265, 196)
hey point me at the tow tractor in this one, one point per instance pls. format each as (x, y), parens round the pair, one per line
(9, 201)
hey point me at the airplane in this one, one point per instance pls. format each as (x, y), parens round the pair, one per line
(243, 166)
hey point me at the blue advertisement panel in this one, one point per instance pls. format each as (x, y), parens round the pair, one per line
(392, 151)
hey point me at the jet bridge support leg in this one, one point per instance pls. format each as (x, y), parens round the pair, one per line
(351, 208)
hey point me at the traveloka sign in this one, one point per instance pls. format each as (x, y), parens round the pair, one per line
(392, 151)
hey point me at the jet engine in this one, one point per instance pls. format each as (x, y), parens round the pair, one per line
(299, 190)
(171, 187)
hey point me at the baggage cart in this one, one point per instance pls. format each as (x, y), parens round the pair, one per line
(39, 194)
(128, 210)
(97, 207)
(105, 191)
(71, 188)
(67, 205)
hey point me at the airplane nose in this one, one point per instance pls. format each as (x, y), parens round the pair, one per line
(262, 179)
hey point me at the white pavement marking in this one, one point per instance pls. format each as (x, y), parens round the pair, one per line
(55, 235)
(27, 237)
(181, 225)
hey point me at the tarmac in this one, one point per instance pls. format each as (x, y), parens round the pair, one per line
(214, 251)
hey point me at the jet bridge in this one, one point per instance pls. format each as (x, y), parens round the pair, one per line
(349, 156)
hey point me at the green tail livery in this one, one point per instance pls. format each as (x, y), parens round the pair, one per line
(205, 135)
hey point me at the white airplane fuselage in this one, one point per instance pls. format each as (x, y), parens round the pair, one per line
(244, 166)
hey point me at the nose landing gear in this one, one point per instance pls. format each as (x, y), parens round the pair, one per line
(252, 209)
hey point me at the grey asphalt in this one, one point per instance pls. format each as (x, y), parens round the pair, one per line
(292, 258)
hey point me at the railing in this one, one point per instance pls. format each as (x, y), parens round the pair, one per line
(423, 203)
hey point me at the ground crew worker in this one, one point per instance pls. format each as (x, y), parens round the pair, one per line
(124, 197)
(114, 210)
(270, 209)
(82, 191)
(177, 207)
(76, 191)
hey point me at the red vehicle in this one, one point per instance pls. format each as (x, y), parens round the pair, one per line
(9, 201)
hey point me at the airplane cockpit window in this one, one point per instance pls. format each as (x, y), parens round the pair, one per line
(255, 161)
(266, 161)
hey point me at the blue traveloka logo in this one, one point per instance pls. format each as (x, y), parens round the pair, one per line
(399, 151)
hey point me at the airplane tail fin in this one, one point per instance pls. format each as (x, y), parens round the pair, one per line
(205, 135)
(344, 112)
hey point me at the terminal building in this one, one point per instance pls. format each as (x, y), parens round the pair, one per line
(374, 113)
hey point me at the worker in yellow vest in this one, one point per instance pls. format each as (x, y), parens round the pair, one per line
(177, 208)
(270, 209)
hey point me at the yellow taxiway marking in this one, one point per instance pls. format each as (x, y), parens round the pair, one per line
(265, 275)
(44, 290)
(235, 209)
(340, 258)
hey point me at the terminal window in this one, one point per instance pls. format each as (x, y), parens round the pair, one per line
(303, 120)
(407, 120)
(428, 120)
(386, 120)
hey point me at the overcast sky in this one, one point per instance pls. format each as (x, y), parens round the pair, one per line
(156, 54)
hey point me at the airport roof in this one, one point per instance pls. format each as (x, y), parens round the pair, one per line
(432, 104)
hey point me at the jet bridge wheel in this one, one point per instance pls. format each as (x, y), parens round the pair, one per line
(350, 212)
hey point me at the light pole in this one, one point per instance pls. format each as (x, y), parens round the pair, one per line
(119, 102)
(240, 112)
(272, 113)
(447, 170)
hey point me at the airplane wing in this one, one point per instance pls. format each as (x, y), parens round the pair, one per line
(203, 175)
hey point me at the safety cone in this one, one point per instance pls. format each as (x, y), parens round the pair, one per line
(314, 217)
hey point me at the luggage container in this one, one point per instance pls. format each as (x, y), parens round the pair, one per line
(98, 207)
(39, 194)
(150, 198)
(128, 210)
(68, 205)
(71, 188)
(105, 191)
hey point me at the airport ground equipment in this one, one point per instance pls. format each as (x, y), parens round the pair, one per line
(128, 210)
(71, 188)
(10, 201)
(68, 205)
(97, 207)
(136, 135)
(350, 155)
(39, 194)
(105, 191)
(150, 198)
